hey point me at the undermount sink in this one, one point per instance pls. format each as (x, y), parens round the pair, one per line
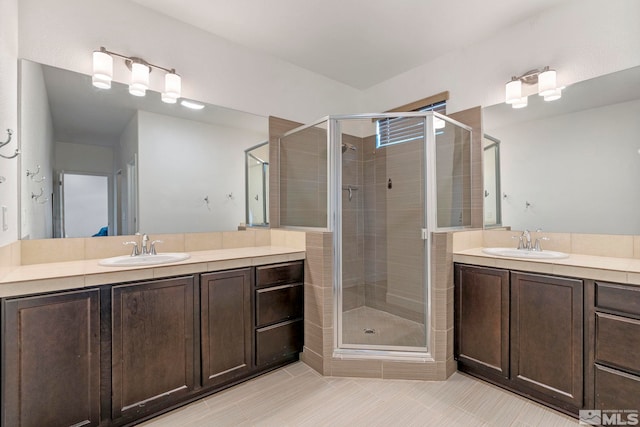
(142, 260)
(523, 253)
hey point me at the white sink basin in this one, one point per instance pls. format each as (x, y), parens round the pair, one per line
(141, 260)
(523, 253)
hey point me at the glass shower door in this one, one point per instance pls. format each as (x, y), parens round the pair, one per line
(383, 292)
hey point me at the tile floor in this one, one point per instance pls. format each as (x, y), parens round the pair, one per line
(296, 395)
(389, 328)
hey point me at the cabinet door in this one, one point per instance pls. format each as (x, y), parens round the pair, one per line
(226, 325)
(546, 338)
(51, 366)
(482, 320)
(152, 345)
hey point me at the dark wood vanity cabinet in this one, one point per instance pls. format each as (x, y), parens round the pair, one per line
(481, 327)
(522, 331)
(51, 360)
(153, 349)
(118, 354)
(279, 309)
(226, 327)
(615, 348)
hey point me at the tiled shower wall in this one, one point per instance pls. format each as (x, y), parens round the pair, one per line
(381, 245)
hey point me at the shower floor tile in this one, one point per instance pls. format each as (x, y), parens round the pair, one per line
(388, 329)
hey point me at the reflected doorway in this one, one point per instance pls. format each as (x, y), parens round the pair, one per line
(492, 197)
(83, 205)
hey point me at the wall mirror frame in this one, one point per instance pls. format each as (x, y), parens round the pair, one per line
(171, 169)
(572, 165)
(257, 185)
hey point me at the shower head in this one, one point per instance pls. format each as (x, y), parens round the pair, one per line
(346, 146)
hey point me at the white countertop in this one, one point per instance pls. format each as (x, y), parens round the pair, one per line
(619, 270)
(58, 276)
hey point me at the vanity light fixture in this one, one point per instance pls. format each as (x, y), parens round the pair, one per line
(544, 78)
(140, 69)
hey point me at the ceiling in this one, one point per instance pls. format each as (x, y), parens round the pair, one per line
(357, 42)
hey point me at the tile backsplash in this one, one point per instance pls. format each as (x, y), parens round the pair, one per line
(26, 252)
(606, 245)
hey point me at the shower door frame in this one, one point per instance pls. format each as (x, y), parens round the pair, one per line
(360, 351)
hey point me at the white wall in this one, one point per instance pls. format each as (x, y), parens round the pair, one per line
(36, 141)
(180, 163)
(595, 192)
(92, 159)
(581, 39)
(9, 115)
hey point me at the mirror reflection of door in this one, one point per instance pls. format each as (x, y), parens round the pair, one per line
(257, 184)
(85, 205)
(492, 205)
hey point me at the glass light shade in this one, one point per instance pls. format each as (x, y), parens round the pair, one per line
(438, 123)
(521, 103)
(168, 99)
(547, 83)
(513, 91)
(172, 85)
(139, 79)
(102, 70)
(556, 94)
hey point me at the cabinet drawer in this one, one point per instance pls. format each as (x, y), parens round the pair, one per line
(625, 299)
(279, 274)
(279, 341)
(615, 389)
(618, 341)
(279, 303)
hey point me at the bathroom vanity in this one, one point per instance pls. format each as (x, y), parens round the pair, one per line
(117, 353)
(569, 342)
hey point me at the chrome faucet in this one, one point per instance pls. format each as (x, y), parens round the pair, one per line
(525, 241)
(145, 247)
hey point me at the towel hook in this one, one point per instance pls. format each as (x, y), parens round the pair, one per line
(2, 144)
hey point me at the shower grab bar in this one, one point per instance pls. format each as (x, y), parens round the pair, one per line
(350, 189)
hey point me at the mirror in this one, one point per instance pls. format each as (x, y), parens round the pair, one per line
(572, 165)
(491, 167)
(257, 180)
(163, 168)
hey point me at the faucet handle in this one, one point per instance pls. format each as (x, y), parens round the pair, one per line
(537, 246)
(152, 251)
(135, 251)
(520, 241)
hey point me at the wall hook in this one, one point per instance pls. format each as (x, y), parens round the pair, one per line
(33, 174)
(2, 144)
(37, 196)
(9, 133)
(230, 196)
(527, 205)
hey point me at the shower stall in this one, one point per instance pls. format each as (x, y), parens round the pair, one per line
(381, 183)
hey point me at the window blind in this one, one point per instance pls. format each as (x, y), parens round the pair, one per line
(397, 130)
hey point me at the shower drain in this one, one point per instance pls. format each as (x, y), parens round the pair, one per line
(369, 331)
